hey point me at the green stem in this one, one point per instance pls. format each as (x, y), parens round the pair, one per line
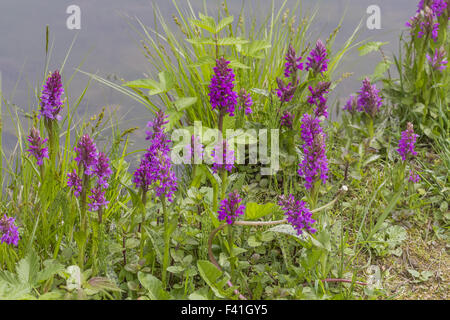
(230, 246)
(370, 128)
(166, 242)
(141, 229)
(83, 218)
(224, 182)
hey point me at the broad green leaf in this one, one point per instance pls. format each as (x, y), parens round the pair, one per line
(254, 211)
(166, 81)
(51, 267)
(212, 277)
(288, 229)
(252, 242)
(154, 286)
(27, 268)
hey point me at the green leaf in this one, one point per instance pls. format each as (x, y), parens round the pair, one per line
(173, 118)
(205, 60)
(371, 159)
(154, 286)
(230, 41)
(207, 24)
(212, 277)
(254, 211)
(165, 84)
(223, 23)
(52, 267)
(380, 70)
(201, 41)
(237, 65)
(166, 81)
(288, 229)
(370, 46)
(252, 242)
(27, 269)
(254, 48)
(186, 102)
(142, 83)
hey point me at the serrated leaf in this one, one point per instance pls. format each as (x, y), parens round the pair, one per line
(230, 41)
(201, 41)
(370, 46)
(254, 48)
(186, 102)
(205, 60)
(206, 24)
(223, 23)
(237, 65)
(166, 81)
(27, 269)
(380, 69)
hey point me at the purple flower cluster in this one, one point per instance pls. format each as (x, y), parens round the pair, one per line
(285, 92)
(317, 60)
(292, 62)
(74, 181)
(36, 146)
(287, 119)
(8, 231)
(437, 6)
(315, 162)
(352, 104)
(245, 100)
(51, 103)
(425, 21)
(221, 94)
(193, 152)
(86, 154)
(98, 198)
(413, 177)
(298, 215)
(92, 163)
(317, 98)
(155, 168)
(142, 177)
(407, 142)
(369, 99)
(223, 157)
(230, 208)
(439, 60)
(102, 170)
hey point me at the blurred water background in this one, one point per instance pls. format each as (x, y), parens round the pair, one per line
(108, 46)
